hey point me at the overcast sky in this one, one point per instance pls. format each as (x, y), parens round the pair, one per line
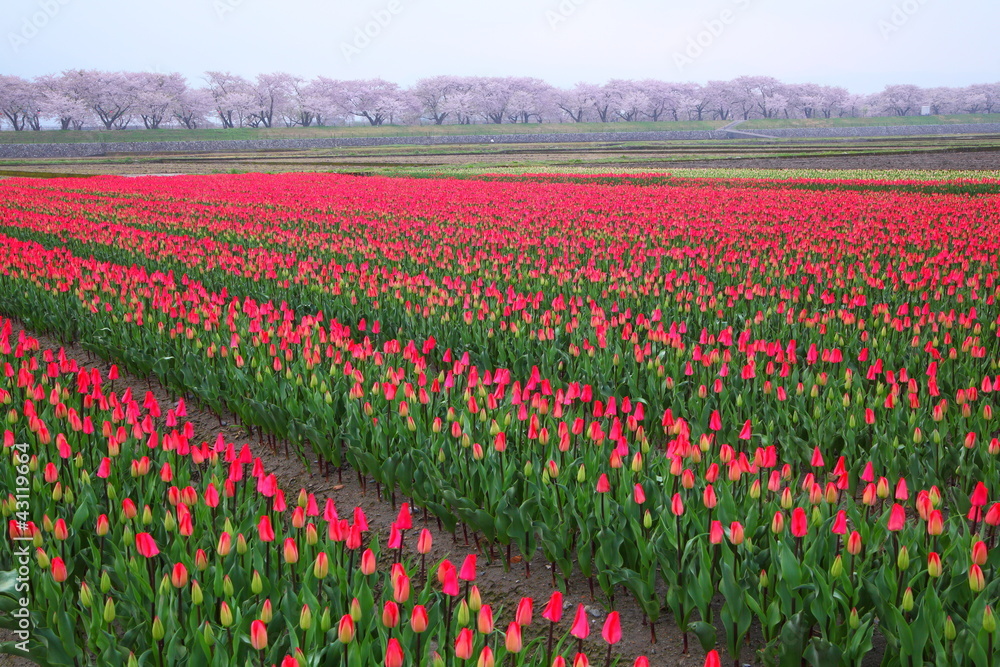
(860, 44)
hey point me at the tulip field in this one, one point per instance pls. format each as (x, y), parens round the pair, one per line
(760, 411)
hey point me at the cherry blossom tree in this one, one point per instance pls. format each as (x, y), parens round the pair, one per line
(271, 93)
(192, 107)
(378, 101)
(900, 100)
(155, 95)
(21, 102)
(233, 97)
(434, 93)
(111, 96)
(575, 102)
(62, 102)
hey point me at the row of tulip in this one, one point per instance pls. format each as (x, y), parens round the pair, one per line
(150, 548)
(517, 453)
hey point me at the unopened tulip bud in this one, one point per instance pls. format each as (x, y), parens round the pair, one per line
(949, 629)
(256, 583)
(853, 621)
(109, 611)
(208, 633)
(837, 568)
(325, 621)
(227, 586)
(355, 610)
(158, 631)
(197, 595)
(977, 582)
(475, 599)
(86, 597)
(934, 565)
(105, 582)
(903, 558)
(345, 629)
(764, 580)
(907, 602)
(989, 620)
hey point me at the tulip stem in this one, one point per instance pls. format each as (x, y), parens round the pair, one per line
(548, 660)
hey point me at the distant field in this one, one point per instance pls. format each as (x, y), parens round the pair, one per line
(57, 136)
(99, 136)
(880, 121)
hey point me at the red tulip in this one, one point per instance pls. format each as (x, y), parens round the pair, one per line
(554, 609)
(897, 517)
(524, 610)
(393, 653)
(612, 631)
(463, 644)
(581, 628)
(145, 545)
(418, 619)
(677, 505)
(603, 485)
(712, 659)
(58, 568)
(264, 529)
(258, 635)
(800, 522)
(468, 571)
(512, 640)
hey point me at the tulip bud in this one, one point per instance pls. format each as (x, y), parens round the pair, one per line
(837, 568)
(109, 611)
(345, 629)
(105, 582)
(321, 566)
(853, 621)
(989, 620)
(256, 584)
(949, 629)
(934, 565)
(903, 558)
(197, 595)
(907, 602)
(86, 597)
(355, 610)
(763, 580)
(158, 631)
(464, 614)
(977, 582)
(475, 599)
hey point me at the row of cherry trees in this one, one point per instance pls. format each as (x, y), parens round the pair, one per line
(77, 99)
